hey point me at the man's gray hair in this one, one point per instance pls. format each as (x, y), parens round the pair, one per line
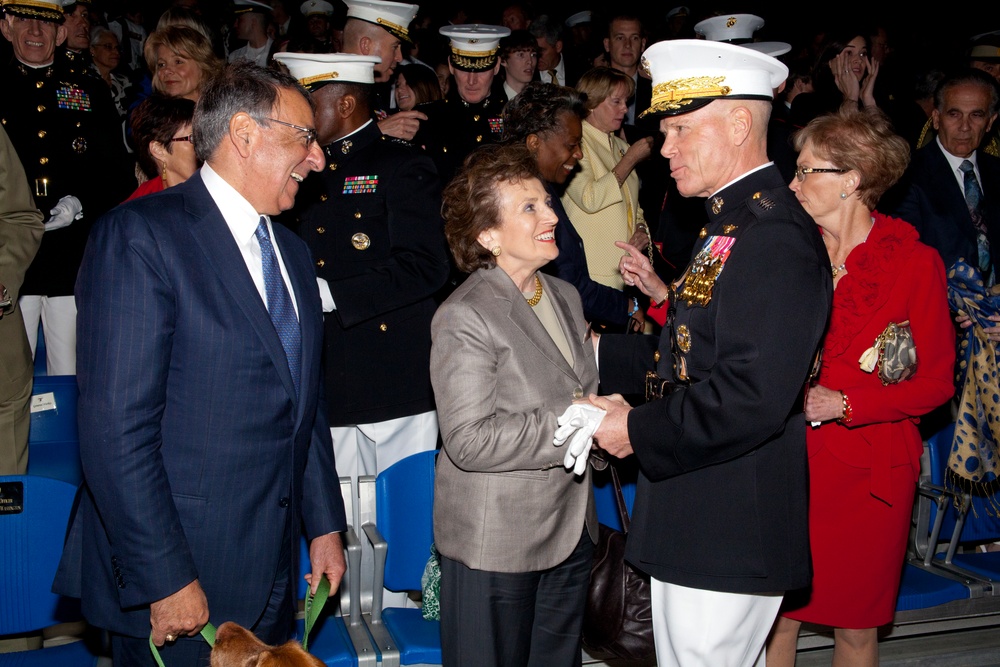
(968, 77)
(545, 26)
(240, 86)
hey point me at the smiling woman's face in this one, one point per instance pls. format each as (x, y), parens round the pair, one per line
(558, 149)
(177, 74)
(526, 234)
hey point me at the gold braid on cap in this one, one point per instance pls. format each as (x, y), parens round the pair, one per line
(474, 60)
(34, 8)
(309, 80)
(672, 95)
(400, 30)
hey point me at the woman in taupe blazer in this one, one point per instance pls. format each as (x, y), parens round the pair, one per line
(510, 353)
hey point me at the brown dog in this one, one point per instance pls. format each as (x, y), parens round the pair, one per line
(236, 646)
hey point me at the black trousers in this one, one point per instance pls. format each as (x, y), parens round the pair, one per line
(498, 619)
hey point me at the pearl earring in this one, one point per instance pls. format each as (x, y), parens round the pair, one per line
(843, 195)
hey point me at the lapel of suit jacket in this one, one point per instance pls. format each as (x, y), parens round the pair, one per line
(212, 234)
(521, 316)
(952, 195)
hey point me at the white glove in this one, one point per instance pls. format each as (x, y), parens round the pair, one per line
(65, 212)
(580, 420)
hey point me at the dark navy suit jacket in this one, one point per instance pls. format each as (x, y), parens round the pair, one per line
(935, 204)
(199, 460)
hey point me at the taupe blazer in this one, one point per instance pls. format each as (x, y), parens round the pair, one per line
(502, 500)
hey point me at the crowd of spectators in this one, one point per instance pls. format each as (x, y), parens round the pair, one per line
(100, 100)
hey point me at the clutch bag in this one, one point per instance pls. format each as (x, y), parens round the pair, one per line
(893, 354)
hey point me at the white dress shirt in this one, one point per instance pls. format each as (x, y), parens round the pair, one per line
(955, 163)
(242, 220)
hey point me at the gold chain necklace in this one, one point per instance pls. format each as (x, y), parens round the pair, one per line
(537, 296)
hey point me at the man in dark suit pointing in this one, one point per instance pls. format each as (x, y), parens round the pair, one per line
(203, 443)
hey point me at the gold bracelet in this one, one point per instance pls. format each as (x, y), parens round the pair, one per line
(847, 416)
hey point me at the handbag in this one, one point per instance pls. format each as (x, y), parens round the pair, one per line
(618, 618)
(894, 353)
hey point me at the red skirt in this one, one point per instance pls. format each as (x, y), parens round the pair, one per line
(858, 546)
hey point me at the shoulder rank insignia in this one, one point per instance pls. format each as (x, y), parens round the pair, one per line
(766, 203)
(360, 185)
(705, 270)
(71, 97)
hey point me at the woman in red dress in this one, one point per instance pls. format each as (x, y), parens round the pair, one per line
(864, 451)
(162, 135)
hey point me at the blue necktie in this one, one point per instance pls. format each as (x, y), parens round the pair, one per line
(973, 193)
(973, 199)
(279, 305)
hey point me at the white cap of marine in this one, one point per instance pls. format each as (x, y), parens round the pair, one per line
(728, 28)
(244, 6)
(393, 16)
(316, 7)
(473, 46)
(314, 69)
(690, 73)
(739, 29)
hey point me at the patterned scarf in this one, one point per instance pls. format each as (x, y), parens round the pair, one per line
(975, 454)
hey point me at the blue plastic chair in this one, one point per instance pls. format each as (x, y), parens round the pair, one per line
(925, 583)
(53, 440)
(402, 537)
(604, 494)
(31, 543)
(337, 640)
(973, 521)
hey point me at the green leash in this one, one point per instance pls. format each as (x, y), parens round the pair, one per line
(314, 607)
(207, 632)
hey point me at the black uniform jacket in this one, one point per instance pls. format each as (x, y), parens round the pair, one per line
(373, 222)
(454, 128)
(68, 135)
(721, 499)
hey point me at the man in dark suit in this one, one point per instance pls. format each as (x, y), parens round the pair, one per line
(952, 189)
(553, 66)
(720, 518)
(625, 42)
(203, 440)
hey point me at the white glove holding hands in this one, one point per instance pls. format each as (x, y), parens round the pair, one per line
(65, 212)
(581, 420)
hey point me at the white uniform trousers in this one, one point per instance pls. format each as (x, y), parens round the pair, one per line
(58, 317)
(368, 449)
(699, 628)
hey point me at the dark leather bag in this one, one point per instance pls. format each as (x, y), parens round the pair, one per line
(618, 620)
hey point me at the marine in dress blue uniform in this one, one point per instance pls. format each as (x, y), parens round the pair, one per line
(720, 513)
(372, 220)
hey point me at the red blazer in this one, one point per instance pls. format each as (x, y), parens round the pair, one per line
(892, 277)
